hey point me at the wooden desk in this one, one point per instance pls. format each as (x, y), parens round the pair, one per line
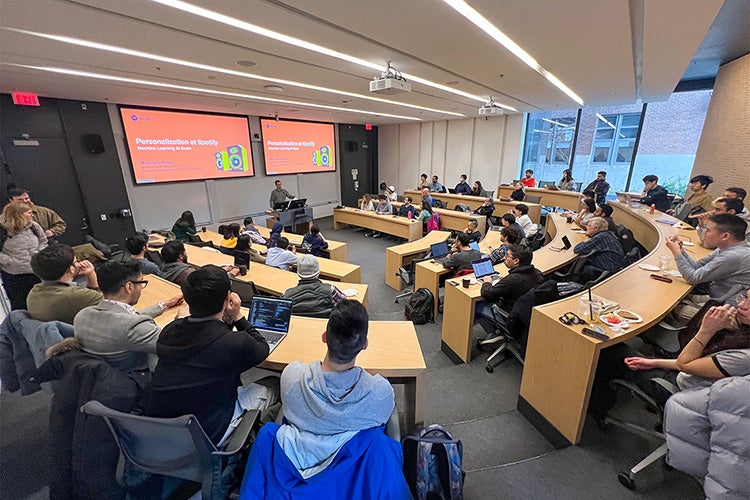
(329, 269)
(336, 250)
(561, 362)
(569, 200)
(501, 207)
(268, 279)
(453, 219)
(402, 255)
(393, 349)
(409, 229)
(460, 303)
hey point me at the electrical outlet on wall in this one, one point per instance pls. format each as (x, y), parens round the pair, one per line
(103, 216)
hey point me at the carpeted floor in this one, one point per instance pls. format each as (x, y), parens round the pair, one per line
(504, 456)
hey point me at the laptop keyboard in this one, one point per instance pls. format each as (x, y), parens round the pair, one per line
(272, 337)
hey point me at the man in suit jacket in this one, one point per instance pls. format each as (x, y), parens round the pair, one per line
(114, 329)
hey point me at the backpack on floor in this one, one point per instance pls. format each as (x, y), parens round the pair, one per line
(433, 223)
(420, 308)
(432, 464)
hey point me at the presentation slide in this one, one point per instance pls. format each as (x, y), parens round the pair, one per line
(170, 146)
(298, 147)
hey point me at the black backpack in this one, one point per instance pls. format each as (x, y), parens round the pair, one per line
(420, 307)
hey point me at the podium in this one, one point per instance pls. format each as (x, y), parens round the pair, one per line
(294, 220)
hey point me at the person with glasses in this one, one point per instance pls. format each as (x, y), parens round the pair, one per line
(114, 329)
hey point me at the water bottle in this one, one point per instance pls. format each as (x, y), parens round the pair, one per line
(409, 214)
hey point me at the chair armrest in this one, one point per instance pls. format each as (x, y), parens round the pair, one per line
(670, 327)
(239, 437)
(636, 391)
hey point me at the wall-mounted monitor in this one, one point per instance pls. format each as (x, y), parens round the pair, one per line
(293, 147)
(170, 146)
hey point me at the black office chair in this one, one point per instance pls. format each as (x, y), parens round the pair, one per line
(575, 271)
(577, 186)
(407, 276)
(513, 326)
(174, 447)
(544, 184)
(302, 218)
(532, 199)
(154, 257)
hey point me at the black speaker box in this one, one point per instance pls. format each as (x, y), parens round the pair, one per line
(93, 144)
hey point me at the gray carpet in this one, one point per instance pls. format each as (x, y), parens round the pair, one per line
(504, 456)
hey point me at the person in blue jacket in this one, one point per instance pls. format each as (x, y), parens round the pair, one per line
(314, 241)
(332, 443)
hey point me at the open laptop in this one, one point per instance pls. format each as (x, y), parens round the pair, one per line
(271, 317)
(474, 246)
(281, 205)
(483, 267)
(439, 250)
(452, 190)
(299, 203)
(622, 198)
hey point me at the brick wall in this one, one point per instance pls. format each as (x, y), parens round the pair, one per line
(724, 147)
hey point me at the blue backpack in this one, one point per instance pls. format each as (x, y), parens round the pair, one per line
(432, 464)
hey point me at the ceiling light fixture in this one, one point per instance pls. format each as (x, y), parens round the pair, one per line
(251, 28)
(482, 23)
(246, 64)
(274, 88)
(100, 76)
(155, 57)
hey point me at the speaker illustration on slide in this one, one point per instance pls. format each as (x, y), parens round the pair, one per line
(222, 160)
(237, 158)
(322, 157)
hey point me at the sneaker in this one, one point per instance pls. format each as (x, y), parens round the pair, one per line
(368, 235)
(377, 235)
(491, 339)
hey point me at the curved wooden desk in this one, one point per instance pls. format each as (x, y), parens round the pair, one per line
(329, 269)
(393, 350)
(561, 362)
(460, 302)
(568, 200)
(402, 255)
(409, 229)
(501, 207)
(336, 250)
(455, 220)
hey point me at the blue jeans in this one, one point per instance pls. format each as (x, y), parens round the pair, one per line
(483, 316)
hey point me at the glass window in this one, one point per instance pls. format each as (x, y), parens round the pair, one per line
(548, 146)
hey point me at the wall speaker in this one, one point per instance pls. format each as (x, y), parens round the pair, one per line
(352, 146)
(93, 144)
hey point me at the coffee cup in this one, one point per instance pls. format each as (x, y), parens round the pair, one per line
(203, 229)
(243, 270)
(466, 282)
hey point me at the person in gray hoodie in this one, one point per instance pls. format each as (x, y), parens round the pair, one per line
(327, 402)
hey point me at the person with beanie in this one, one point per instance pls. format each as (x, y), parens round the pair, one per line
(312, 297)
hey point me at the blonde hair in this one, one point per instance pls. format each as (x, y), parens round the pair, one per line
(13, 217)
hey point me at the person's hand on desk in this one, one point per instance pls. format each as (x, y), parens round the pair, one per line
(638, 363)
(174, 301)
(487, 279)
(674, 245)
(183, 312)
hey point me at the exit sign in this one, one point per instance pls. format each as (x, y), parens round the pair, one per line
(25, 99)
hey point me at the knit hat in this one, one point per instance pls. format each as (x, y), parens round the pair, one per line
(307, 266)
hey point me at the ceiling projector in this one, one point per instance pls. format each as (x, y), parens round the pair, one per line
(389, 82)
(490, 109)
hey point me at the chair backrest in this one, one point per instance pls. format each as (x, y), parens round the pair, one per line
(176, 447)
(577, 186)
(519, 318)
(683, 210)
(245, 289)
(626, 238)
(544, 184)
(154, 257)
(532, 199)
(400, 197)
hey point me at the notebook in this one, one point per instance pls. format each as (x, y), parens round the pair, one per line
(483, 267)
(439, 250)
(271, 317)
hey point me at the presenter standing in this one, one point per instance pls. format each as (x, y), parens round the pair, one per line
(279, 195)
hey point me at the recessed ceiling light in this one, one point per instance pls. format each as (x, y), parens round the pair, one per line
(346, 100)
(246, 64)
(274, 88)
(211, 77)
(452, 82)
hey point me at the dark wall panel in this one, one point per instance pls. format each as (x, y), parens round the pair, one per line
(358, 150)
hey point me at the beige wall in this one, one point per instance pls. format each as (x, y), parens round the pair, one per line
(484, 149)
(724, 147)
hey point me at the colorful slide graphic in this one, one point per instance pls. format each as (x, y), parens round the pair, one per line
(298, 147)
(169, 146)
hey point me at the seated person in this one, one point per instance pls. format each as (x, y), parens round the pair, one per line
(136, 245)
(698, 197)
(509, 220)
(487, 208)
(528, 179)
(725, 267)
(425, 214)
(731, 206)
(566, 183)
(604, 211)
(276, 230)
(654, 194)
(477, 189)
(231, 233)
(407, 209)
(608, 254)
(521, 211)
(435, 186)
(366, 203)
(184, 227)
(333, 413)
(280, 256)
(114, 329)
(522, 277)
(472, 230)
(202, 354)
(427, 197)
(461, 255)
(423, 182)
(384, 205)
(175, 266)
(518, 193)
(57, 297)
(508, 236)
(390, 193)
(314, 241)
(463, 187)
(244, 253)
(599, 186)
(311, 296)
(588, 207)
(252, 230)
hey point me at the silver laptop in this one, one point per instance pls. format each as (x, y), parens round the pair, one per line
(271, 317)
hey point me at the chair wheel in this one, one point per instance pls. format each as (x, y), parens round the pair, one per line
(396, 301)
(626, 480)
(489, 368)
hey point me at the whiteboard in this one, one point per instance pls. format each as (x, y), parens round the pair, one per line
(158, 206)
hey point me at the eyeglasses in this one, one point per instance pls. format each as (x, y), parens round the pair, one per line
(143, 283)
(740, 297)
(570, 318)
